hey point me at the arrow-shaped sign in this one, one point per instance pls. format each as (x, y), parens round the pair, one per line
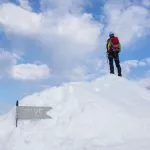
(31, 112)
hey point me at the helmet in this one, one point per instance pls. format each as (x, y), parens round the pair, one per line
(111, 34)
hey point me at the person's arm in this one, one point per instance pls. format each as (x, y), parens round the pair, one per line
(107, 45)
(119, 47)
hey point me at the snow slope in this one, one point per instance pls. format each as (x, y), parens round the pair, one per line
(109, 113)
(145, 83)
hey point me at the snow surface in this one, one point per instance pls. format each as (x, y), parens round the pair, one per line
(145, 83)
(109, 113)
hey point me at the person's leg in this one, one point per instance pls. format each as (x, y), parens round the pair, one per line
(111, 65)
(117, 62)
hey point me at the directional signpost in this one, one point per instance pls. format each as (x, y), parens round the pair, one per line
(31, 112)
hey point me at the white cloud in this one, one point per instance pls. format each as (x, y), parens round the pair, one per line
(147, 60)
(7, 60)
(68, 33)
(18, 20)
(55, 28)
(71, 34)
(63, 6)
(70, 37)
(25, 4)
(146, 2)
(11, 69)
(130, 64)
(30, 72)
(5, 55)
(127, 20)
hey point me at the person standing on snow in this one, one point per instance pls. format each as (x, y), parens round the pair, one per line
(113, 49)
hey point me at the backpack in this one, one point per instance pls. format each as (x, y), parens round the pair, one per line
(115, 44)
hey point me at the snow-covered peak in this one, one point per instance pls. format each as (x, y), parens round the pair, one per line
(109, 113)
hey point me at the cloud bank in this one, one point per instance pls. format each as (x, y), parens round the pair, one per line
(30, 72)
(10, 67)
(69, 35)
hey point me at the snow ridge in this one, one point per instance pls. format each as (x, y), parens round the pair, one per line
(109, 113)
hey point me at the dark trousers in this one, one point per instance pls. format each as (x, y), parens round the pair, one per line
(114, 57)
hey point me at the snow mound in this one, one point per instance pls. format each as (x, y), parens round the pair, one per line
(109, 113)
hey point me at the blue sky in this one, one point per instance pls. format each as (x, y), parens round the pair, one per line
(46, 43)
